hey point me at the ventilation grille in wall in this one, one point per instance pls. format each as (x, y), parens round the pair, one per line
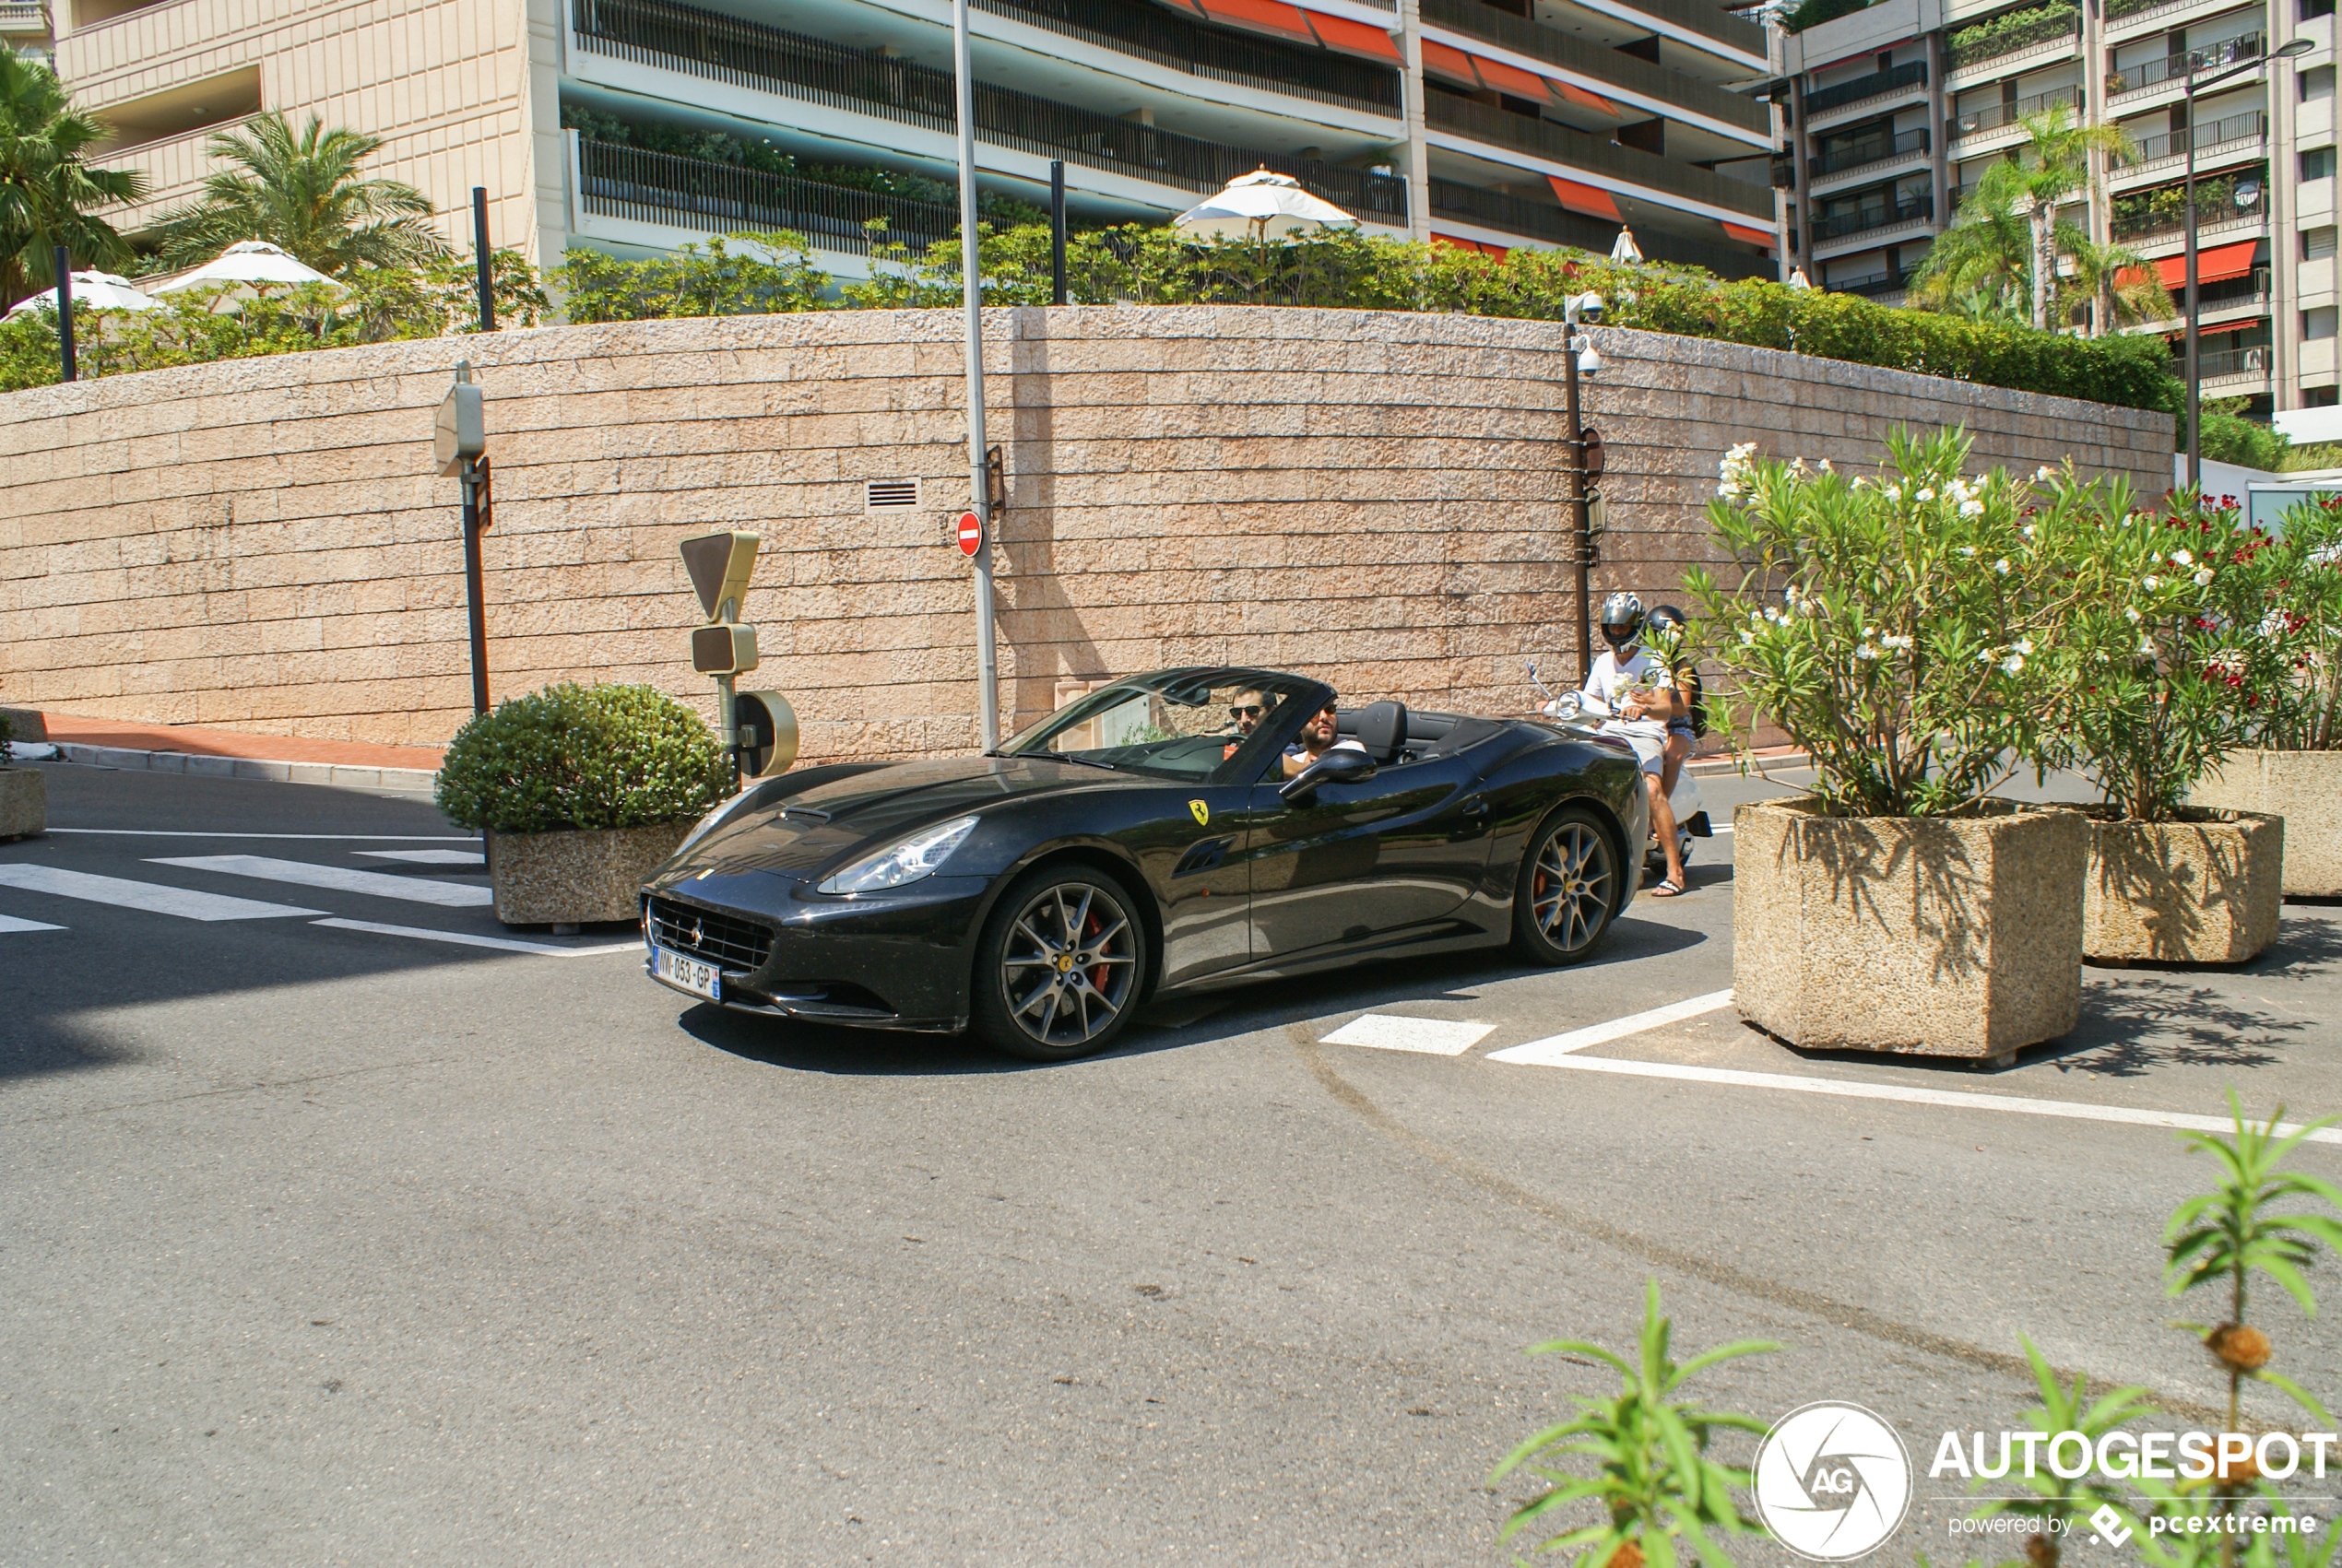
(890, 495)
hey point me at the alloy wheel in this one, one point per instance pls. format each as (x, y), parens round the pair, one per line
(1570, 890)
(1070, 964)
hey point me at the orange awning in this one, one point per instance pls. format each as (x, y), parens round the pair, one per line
(1263, 16)
(1585, 198)
(1453, 64)
(1353, 37)
(1496, 252)
(1751, 236)
(2214, 266)
(1585, 100)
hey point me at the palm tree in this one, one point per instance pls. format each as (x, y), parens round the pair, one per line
(1987, 245)
(2120, 286)
(47, 191)
(305, 195)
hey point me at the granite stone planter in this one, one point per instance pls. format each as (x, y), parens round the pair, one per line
(2304, 788)
(574, 876)
(2205, 889)
(1940, 937)
(24, 802)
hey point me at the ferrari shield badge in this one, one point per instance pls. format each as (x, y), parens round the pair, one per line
(1201, 812)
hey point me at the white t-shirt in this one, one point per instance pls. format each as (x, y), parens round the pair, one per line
(1611, 682)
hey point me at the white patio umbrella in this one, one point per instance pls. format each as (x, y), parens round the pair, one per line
(98, 290)
(1258, 207)
(246, 265)
(1625, 252)
(1797, 279)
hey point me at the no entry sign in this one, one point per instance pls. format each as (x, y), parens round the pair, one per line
(970, 533)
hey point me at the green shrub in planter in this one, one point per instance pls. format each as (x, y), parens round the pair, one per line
(586, 757)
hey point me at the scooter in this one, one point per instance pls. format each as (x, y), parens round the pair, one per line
(1575, 710)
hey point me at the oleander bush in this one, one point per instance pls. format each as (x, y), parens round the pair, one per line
(588, 757)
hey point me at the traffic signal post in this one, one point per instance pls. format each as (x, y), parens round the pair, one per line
(459, 445)
(758, 728)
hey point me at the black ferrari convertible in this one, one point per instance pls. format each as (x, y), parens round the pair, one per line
(1173, 832)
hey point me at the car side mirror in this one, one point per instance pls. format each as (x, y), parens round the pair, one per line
(1343, 766)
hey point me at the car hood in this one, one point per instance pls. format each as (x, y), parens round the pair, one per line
(814, 827)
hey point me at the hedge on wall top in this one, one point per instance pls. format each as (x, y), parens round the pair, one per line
(581, 757)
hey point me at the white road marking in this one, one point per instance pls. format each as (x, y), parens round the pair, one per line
(1949, 1098)
(1543, 1053)
(501, 944)
(1383, 1031)
(10, 923)
(152, 897)
(341, 878)
(426, 856)
(329, 837)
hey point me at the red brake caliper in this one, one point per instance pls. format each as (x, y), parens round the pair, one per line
(1090, 928)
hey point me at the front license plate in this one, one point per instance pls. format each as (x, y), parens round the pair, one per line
(698, 977)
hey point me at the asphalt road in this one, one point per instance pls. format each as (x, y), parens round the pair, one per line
(344, 1243)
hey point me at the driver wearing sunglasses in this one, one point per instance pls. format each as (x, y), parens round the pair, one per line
(1245, 712)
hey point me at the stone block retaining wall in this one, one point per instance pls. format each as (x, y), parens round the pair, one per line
(1375, 497)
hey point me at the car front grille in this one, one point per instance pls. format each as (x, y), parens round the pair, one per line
(725, 940)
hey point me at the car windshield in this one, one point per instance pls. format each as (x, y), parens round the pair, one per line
(1176, 724)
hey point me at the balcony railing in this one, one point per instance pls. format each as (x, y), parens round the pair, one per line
(2210, 216)
(1153, 32)
(1874, 288)
(1992, 116)
(2155, 73)
(1996, 42)
(2220, 362)
(22, 18)
(1541, 221)
(1485, 123)
(616, 181)
(1864, 150)
(1860, 88)
(703, 43)
(2237, 129)
(1709, 19)
(1574, 54)
(1864, 220)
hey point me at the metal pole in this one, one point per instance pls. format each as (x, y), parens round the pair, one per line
(64, 313)
(2194, 377)
(972, 285)
(480, 250)
(728, 724)
(1578, 522)
(1057, 232)
(472, 592)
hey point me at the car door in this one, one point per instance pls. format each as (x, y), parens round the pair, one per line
(1356, 860)
(1193, 850)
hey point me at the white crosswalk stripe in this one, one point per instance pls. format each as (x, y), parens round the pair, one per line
(10, 923)
(153, 897)
(340, 878)
(427, 857)
(463, 940)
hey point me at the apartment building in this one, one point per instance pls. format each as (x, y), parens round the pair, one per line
(1895, 111)
(638, 126)
(24, 27)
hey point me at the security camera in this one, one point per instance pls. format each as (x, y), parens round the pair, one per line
(1589, 363)
(1584, 308)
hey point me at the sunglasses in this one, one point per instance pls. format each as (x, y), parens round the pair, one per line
(1246, 711)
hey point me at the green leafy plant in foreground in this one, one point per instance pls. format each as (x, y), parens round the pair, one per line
(2055, 1501)
(1654, 1479)
(582, 756)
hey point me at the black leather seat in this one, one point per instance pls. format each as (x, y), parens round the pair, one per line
(1382, 730)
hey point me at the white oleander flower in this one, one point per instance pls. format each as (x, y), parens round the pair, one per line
(2013, 665)
(2043, 473)
(2136, 617)
(2204, 578)
(2150, 583)
(1748, 638)
(2182, 558)
(2023, 645)
(1972, 508)
(1866, 651)
(1896, 642)
(1825, 467)
(2147, 644)
(1926, 493)
(2001, 566)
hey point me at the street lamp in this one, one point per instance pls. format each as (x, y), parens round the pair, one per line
(2290, 50)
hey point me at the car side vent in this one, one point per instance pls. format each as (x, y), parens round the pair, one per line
(890, 495)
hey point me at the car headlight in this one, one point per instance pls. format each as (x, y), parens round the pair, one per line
(906, 860)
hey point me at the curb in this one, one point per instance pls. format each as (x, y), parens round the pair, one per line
(334, 775)
(1709, 767)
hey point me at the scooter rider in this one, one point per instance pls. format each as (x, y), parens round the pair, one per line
(1640, 693)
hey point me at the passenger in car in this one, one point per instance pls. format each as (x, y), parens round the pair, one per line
(1316, 739)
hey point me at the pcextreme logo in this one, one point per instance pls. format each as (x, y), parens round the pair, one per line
(1832, 1481)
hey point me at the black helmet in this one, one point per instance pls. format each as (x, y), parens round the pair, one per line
(1665, 617)
(1622, 620)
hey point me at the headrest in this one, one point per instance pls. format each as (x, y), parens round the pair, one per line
(1382, 729)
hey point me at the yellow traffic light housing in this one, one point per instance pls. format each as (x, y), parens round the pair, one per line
(724, 650)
